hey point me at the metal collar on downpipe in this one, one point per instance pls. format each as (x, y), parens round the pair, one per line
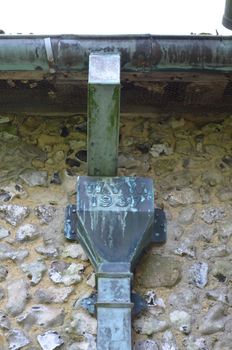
(114, 217)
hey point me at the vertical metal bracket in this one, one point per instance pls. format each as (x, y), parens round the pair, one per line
(103, 114)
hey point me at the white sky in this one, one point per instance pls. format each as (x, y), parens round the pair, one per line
(112, 16)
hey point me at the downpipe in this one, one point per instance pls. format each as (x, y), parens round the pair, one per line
(114, 218)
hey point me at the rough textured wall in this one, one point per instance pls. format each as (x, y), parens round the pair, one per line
(43, 278)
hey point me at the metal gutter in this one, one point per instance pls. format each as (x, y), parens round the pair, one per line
(168, 72)
(37, 57)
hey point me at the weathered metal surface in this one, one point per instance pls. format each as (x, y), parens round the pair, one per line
(70, 222)
(114, 225)
(103, 114)
(139, 304)
(158, 234)
(143, 53)
(157, 72)
(114, 309)
(113, 215)
(227, 18)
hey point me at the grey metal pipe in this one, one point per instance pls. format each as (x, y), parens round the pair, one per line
(39, 57)
(114, 311)
(103, 114)
(227, 18)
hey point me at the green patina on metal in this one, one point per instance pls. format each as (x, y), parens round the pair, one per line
(115, 110)
(156, 72)
(114, 216)
(103, 130)
(103, 117)
(31, 55)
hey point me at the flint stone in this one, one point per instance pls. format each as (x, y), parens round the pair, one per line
(174, 230)
(4, 120)
(13, 214)
(43, 316)
(205, 195)
(224, 343)
(214, 320)
(211, 215)
(17, 292)
(53, 295)
(156, 306)
(222, 268)
(17, 339)
(83, 323)
(50, 340)
(74, 251)
(56, 178)
(2, 293)
(183, 146)
(4, 232)
(158, 150)
(3, 273)
(222, 295)
(52, 236)
(186, 248)
(225, 194)
(89, 343)
(203, 232)
(194, 163)
(212, 178)
(177, 180)
(149, 325)
(34, 178)
(146, 345)
(216, 252)
(58, 156)
(158, 271)
(45, 213)
(225, 230)
(228, 326)
(168, 341)
(27, 232)
(34, 271)
(7, 193)
(91, 280)
(68, 274)
(4, 321)
(15, 156)
(196, 344)
(199, 274)
(48, 251)
(186, 298)
(163, 167)
(7, 252)
(214, 149)
(184, 196)
(186, 216)
(128, 162)
(181, 320)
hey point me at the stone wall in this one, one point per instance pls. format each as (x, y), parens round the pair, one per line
(43, 277)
